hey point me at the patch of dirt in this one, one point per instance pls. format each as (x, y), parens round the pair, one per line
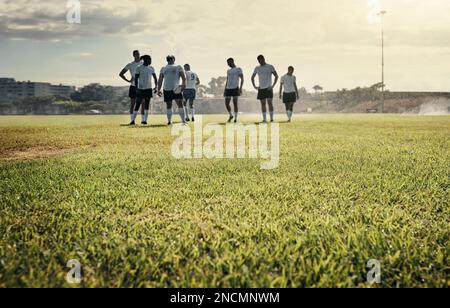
(36, 152)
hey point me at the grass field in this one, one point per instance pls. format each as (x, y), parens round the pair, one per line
(349, 188)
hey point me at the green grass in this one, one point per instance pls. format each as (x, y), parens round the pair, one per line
(349, 188)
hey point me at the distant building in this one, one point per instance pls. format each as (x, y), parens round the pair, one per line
(12, 89)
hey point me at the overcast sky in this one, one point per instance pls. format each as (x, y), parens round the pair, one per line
(330, 42)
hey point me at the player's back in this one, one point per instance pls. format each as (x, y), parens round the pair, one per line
(171, 74)
(191, 80)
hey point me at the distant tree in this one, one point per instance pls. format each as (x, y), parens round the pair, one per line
(202, 90)
(303, 92)
(317, 89)
(36, 105)
(217, 86)
(93, 92)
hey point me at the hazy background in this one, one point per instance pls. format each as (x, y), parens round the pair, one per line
(330, 42)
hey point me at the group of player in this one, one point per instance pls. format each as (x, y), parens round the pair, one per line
(144, 83)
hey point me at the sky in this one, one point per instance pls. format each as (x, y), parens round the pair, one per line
(332, 43)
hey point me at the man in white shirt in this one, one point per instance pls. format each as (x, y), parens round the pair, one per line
(233, 88)
(131, 67)
(189, 94)
(290, 93)
(170, 77)
(265, 88)
(143, 78)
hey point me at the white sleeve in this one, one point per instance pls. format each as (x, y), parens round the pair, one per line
(240, 71)
(273, 69)
(127, 67)
(255, 72)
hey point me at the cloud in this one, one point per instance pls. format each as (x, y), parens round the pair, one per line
(300, 23)
(80, 54)
(47, 20)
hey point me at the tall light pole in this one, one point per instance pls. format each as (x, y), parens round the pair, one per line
(381, 14)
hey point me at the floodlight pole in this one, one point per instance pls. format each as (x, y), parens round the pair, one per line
(382, 13)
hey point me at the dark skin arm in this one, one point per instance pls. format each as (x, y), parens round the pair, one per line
(296, 90)
(136, 77)
(253, 81)
(281, 90)
(160, 83)
(183, 79)
(241, 76)
(156, 82)
(276, 79)
(122, 75)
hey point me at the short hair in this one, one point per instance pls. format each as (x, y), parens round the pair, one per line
(260, 57)
(146, 57)
(290, 68)
(230, 60)
(188, 65)
(135, 52)
(170, 58)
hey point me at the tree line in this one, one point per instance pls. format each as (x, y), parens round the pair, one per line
(114, 100)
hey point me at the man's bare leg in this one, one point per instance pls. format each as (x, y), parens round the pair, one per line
(264, 110)
(169, 112)
(185, 107)
(132, 104)
(236, 109)
(227, 104)
(270, 102)
(181, 110)
(192, 110)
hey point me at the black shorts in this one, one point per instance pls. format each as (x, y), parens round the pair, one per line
(132, 92)
(232, 92)
(289, 98)
(146, 94)
(170, 96)
(265, 94)
(189, 94)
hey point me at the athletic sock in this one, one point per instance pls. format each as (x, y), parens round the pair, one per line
(182, 115)
(289, 114)
(145, 115)
(134, 116)
(235, 115)
(192, 112)
(271, 116)
(169, 115)
(265, 116)
(185, 109)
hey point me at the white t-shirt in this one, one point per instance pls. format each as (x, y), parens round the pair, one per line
(191, 80)
(171, 73)
(288, 83)
(233, 77)
(131, 67)
(145, 77)
(264, 73)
